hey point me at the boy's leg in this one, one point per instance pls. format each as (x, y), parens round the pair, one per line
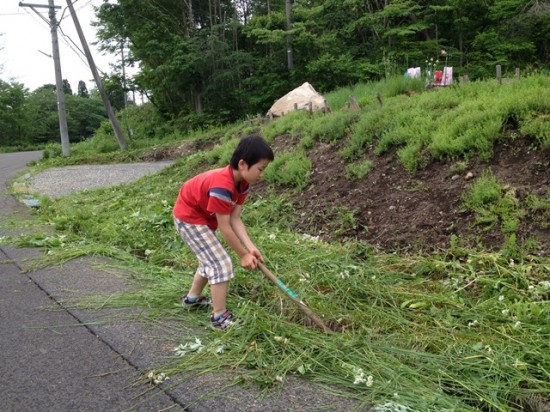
(199, 282)
(219, 293)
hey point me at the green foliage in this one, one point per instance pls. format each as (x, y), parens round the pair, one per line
(333, 127)
(493, 203)
(540, 206)
(12, 114)
(539, 128)
(296, 122)
(358, 170)
(221, 154)
(289, 168)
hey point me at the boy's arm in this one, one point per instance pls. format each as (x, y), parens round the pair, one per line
(240, 230)
(248, 260)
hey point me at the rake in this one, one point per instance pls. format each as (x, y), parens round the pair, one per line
(294, 297)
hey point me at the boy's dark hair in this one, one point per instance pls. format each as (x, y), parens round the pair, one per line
(251, 149)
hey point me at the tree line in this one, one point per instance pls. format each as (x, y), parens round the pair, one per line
(29, 118)
(205, 61)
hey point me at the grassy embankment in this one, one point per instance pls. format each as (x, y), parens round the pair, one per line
(460, 330)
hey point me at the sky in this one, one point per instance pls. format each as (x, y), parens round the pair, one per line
(25, 41)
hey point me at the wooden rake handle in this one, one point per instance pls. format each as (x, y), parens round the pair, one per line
(292, 296)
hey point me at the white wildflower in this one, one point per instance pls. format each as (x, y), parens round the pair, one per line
(501, 298)
(279, 378)
(512, 263)
(517, 324)
(148, 252)
(305, 236)
(157, 379)
(281, 339)
(164, 202)
(296, 242)
(505, 312)
(272, 236)
(370, 381)
(359, 377)
(135, 214)
(473, 323)
(344, 274)
(189, 347)
(220, 349)
(530, 287)
(544, 284)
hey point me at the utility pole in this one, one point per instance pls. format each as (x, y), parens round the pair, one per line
(63, 129)
(114, 122)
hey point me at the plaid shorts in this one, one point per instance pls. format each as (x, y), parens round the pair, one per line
(214, 262)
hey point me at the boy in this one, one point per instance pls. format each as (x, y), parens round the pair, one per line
(213, 200)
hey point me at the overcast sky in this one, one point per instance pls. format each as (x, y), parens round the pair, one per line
(26, 39)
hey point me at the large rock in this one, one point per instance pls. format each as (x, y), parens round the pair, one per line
(299, 98)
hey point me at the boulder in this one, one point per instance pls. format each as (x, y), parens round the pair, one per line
(299, 98)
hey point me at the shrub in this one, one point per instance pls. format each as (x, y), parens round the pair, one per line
(334, 126)
(290, 168)
(538, 128)
(359, 170)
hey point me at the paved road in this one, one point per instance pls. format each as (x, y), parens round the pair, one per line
(49, 361)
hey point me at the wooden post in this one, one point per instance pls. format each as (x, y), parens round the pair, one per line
(310, 108)
(499, 74)
(354, 104)
(379, 98)
(326, 107)
(295, 106)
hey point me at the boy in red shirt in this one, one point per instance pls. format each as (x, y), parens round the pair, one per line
(213, 200)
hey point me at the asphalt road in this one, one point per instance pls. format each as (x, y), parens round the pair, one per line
(49, 360)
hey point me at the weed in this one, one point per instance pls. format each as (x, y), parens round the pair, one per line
(494, 203)
(358, 170)
(289, 169)
(333, 127)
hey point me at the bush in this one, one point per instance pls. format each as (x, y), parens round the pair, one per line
(290, 168)
(358, 171)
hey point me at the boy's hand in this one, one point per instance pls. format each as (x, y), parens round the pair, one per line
(256, 253)
(249, 261)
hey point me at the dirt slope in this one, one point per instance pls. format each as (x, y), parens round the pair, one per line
(396, 210)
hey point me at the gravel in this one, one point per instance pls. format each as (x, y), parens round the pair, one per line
(61, 181)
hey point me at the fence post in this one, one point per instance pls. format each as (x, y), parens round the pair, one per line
(499, 74)
(379, 98)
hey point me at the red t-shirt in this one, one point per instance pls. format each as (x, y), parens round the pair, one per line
(208, 193)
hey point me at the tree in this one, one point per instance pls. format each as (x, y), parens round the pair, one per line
(12, 114)
(67, 87)
(84, 116)
(82, 90)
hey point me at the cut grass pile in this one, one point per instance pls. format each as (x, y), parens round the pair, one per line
(462, 331)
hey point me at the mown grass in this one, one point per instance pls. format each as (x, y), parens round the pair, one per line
(463, 330)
